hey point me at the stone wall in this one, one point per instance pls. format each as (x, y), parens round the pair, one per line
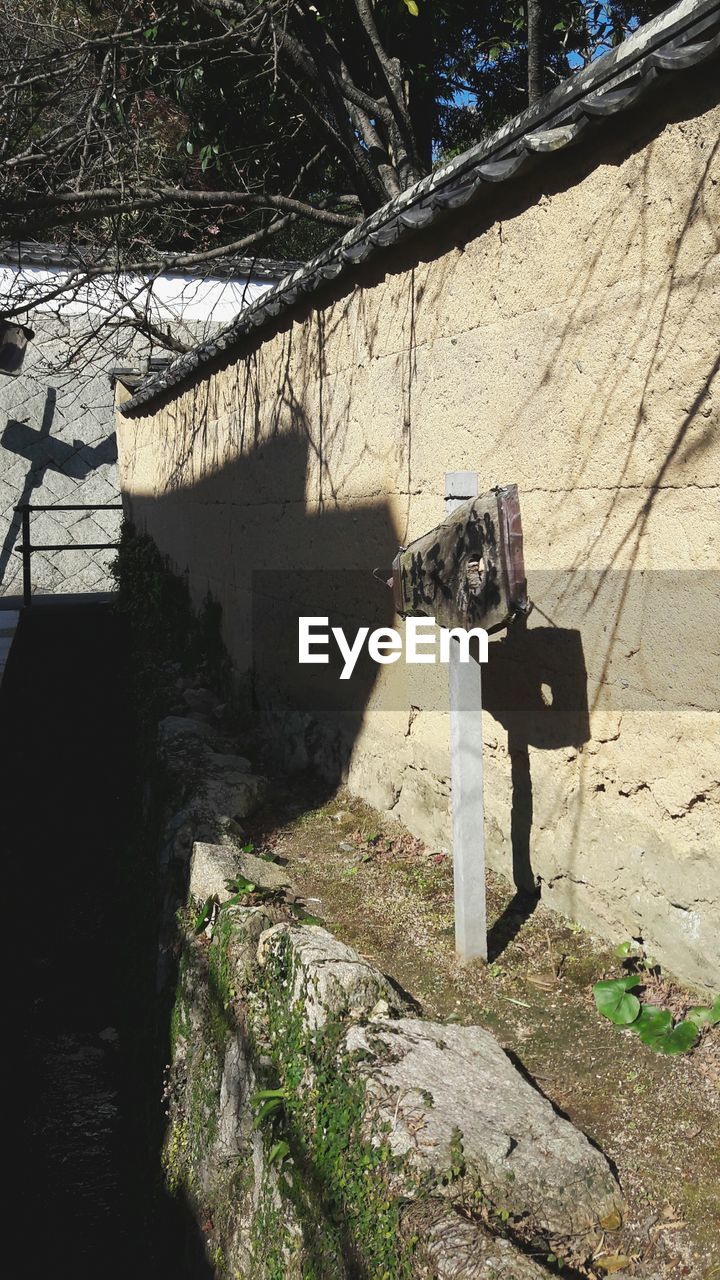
(563, 336)
(318, 1127)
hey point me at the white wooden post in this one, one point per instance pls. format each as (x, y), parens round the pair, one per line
(466, 774)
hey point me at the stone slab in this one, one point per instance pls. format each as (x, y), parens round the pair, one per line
(180, 726)
(329, 979)
(212, 865)
(451, 1247)
(451, 1096)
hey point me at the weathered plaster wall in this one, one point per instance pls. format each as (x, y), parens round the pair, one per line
(563, 337)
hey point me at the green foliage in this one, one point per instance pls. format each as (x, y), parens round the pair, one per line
(705, 1015)
(316, 1114)
(485, 56)
(248, 894)
(625, 949)
(266, 1102)
(652, 1023)
(457, 1155)
(303, 916)
(614, 999)
(279, 1152)
(237, 900)
(203, 916)
(656, 1029)
(637, 957)
(156, 606)
(240, 885)
(166, 109)
(221, 968)
(654, 1026)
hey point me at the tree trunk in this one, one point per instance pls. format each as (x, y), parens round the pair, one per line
(534, 42)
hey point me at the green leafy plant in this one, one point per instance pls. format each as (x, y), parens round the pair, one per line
(354, 1179)
(265, 1103)
(655, 1027)
(240, 884)
(634, 952)
(615, 1000)
(353, 870)
(242, 888)
(303, 916)
(457, 1155)
(279, 1152)
(203, 916)
(705, 1015)
(166, 634)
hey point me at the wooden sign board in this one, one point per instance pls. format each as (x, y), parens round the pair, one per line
(469, 570)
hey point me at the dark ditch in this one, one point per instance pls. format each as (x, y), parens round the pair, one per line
(83, 1122)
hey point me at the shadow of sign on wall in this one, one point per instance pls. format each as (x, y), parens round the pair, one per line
(535, 686)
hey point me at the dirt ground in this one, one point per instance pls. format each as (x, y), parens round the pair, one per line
(656, 1118)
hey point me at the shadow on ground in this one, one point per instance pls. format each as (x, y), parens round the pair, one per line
(86, 1196)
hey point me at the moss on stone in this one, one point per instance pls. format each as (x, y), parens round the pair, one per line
(220, 964)
(175, 1156)
(203, 1098)
(350, 1179)
(198, 1031)
(327, 1209)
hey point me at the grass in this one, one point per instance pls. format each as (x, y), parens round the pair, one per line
(657, 1119)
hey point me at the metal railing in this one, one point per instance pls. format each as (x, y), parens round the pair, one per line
(27, 547)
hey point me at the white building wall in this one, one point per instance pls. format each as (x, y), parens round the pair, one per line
(57, 434)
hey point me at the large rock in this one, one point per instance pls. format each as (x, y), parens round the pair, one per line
(196, 823)
(451, 1247)
(487, 1177)
(460, 1112)
(212, 865)
(202, 700)
(224, 761)
(241, 941)
(328, 979)
(234, 795)
(235, 1115)
(174, 727)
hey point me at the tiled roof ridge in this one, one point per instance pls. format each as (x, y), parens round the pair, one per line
(35, 253)
(680, 38)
